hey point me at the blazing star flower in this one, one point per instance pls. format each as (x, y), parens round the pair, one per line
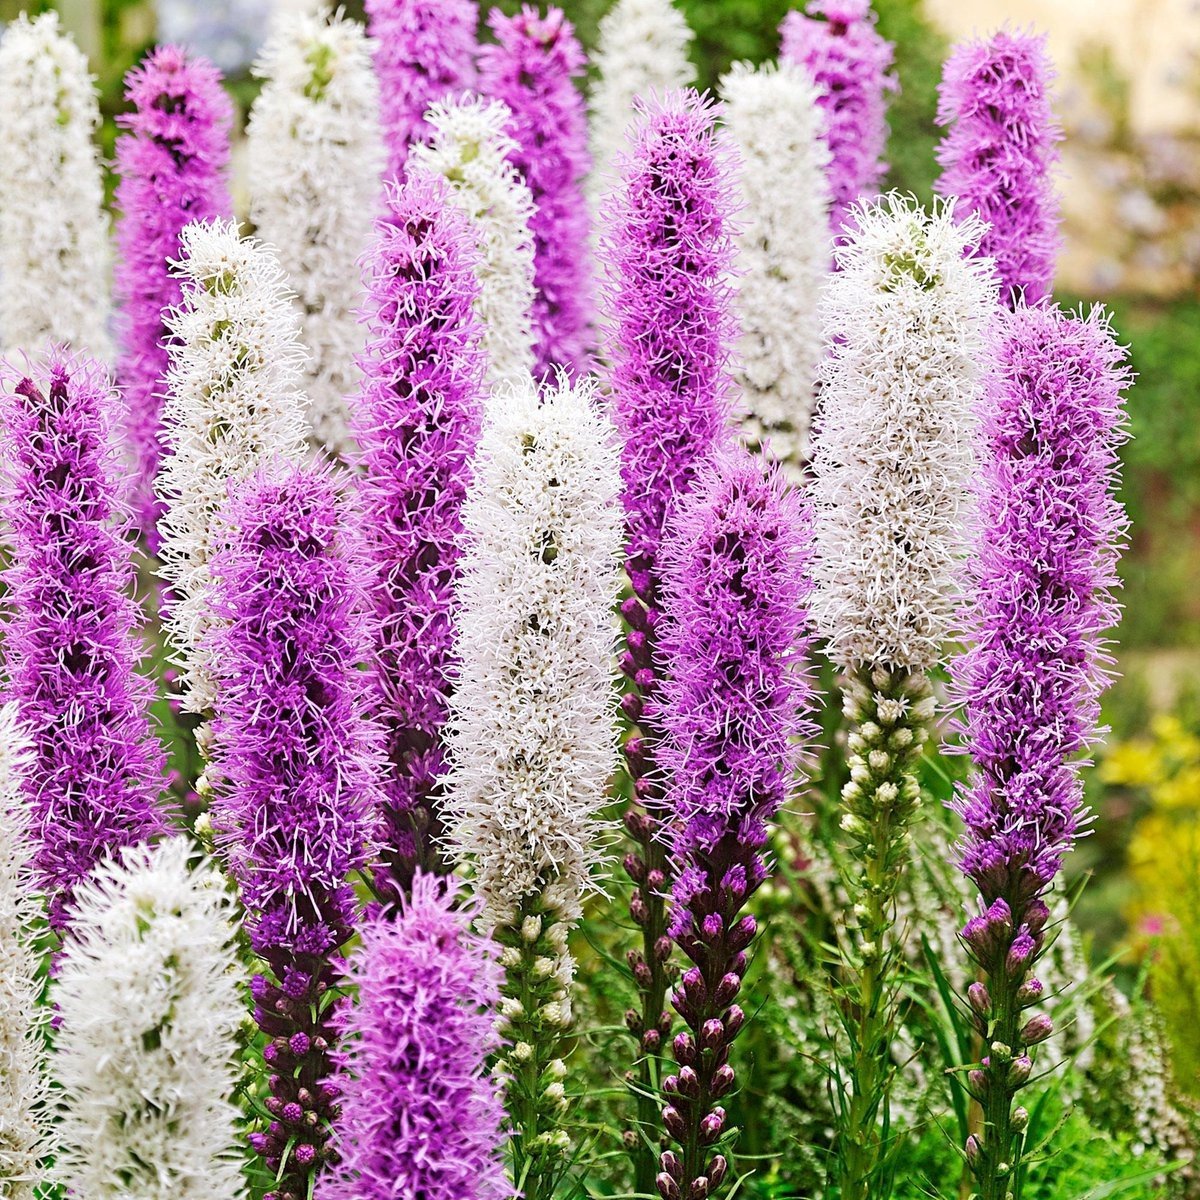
(417, 423)
(642, 51)
(999, 152)
(1039, 599)
(27, 1135)
(530, 68)
(424, 54)
(297, 767)
(54, 250)
(315, 154)
(72, 643)
(148, 997)
(172, 164)
(774, 119)
(421, 1115)
(233, 403)
(532, 736)
(734, 645)
(836, 44)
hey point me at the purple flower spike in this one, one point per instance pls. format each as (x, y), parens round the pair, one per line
(417, 423)
(424, 53)
(838, 46)
(998, 154)
(734, 710)
(72, 643)
(172, 166)
(421, 1116)
(1039, 600)
(296, 761)
(668, 249)
(530, 68)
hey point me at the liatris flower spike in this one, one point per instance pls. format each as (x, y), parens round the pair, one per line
(998, 155)
(1039, 599)
(315, 153)
(417, 424)
(837, 45)
(27, 1134)
(54, 250)
(72, 643)
(421, 1114)
(530, 68)
(424, 54)
(532, 735)
(471, 149)
(907, 316)
(667, 249)
(735, 646)
(233, 403)
(641, 51)
(298, 763)
(149, 1003)
(172, 164)
(783, 252)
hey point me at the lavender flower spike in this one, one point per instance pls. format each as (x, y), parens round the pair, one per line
(416, 424)
(999, 152)
(172, 164)
(667, 248)
(530, 68)
(735, 645)
(72, 644)
(424, 54)
(297, 765)
(848, 61)
(421, 1115)
(1039, 599)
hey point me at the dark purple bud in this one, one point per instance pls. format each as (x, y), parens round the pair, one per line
(727, 989)
(655, 880)
(685, 1049)
(980, 1000)
(693, 985)
(642, 974)
(304, 1153)
(974, 1150)
(292, 1113)
(635, 868)
(722, 1080)
(639, 911)
(712, 1033)
(735, 1018)
(1019, 956)
(1019, 1070)
(671, 1164)
(712, 1126)
(644, 678)
(299, 1044)
(631, 706)
(668, 1189)
(652, 1041)
(716, 1170)
(699, 1188)
(274, 1105)
(670, 1085)
(633, 1021)
(1037, 1029)
(712, 927)
(662, 949)
(1030, 992)
(742, 934)
(977, 1081)
(689, 1082)
(674, 1123)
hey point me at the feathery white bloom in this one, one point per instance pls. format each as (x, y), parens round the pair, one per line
(531, 736)
(905, 319)
(315, 152)
(149, 999)
(641, 50)
(233, 404)
(471, 149)
(25, 1131)
(784, 250)
(54, 248)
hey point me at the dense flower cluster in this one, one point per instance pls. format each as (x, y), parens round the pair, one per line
(314, 140)
(837, 45)
(997, 156)
(53, 231)
(149, 1002)
(416, 423)
(530, 68)
(735, 644)
(298, 768)
(423, 1117)
(470, 147)
(424, 54)
(172, 163)
(72, 645)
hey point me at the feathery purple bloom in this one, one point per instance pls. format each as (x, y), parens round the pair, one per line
(838, 46)
(296, 762)
(424, 53)
(998, 154)
(1039, 600)
(421, 1115)
(172, 166)
(530, 68)
(71, 644)
(735, 644)
(417, 421)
